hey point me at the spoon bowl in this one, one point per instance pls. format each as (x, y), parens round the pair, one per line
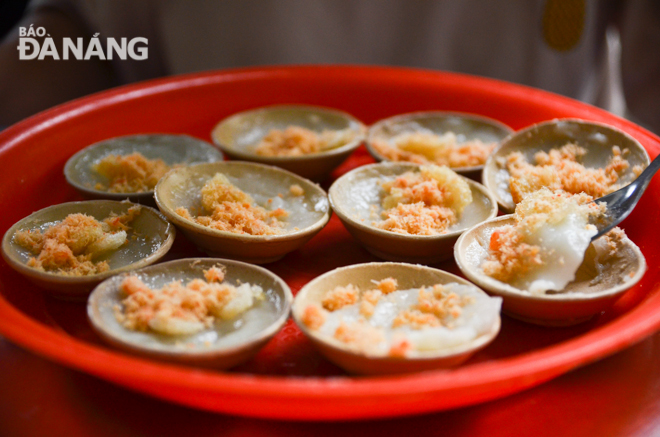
(621, 202)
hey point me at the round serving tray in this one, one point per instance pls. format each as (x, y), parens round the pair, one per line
(288, 378)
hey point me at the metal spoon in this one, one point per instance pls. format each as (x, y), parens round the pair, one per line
(621, 202)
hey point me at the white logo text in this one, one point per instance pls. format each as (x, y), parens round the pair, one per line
(31, 48)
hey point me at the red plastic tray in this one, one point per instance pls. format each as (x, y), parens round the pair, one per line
(288, 378)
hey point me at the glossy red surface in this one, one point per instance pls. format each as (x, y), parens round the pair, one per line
(288, 379)
(613, 397)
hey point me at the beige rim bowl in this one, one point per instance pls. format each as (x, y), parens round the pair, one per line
(408, 276)
(239, 134)
(579, 301)
(149, 238)
(220, 346)
(173, 149)
(181, 187)
(353, 195)
(598, 139)
(467, 127)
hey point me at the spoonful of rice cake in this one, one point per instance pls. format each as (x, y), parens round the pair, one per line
(546, 244)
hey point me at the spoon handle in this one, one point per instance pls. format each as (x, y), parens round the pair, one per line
(645, 177)
(621, 202)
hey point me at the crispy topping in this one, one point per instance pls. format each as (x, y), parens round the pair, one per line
(511, 254)
(424, 203)
(359, 336)
(120, 222)
(417, 219)
(297, 141)
(69, 247)
(387, 285)
(130, 173)
(296, 190)
(560, 169)
(385, 321)
(381, 310)
(176, 309)
(339, 297)
(415, 319)
(214, 274)
(313, 317)
(429, 148)
(369, 301)
(614, 240)
(227, 208)
(440, 302)
(400, 347)
(435, 307)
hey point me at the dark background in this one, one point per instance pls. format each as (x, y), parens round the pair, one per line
(10, 12)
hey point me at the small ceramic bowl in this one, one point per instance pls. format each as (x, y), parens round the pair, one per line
(308, 213)
(467, 127)
(173, 149)
(239, 135)
(225, 344)
(149, 238)
(356, 199)
(597, 285)
(408, 276)
(598, 139)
